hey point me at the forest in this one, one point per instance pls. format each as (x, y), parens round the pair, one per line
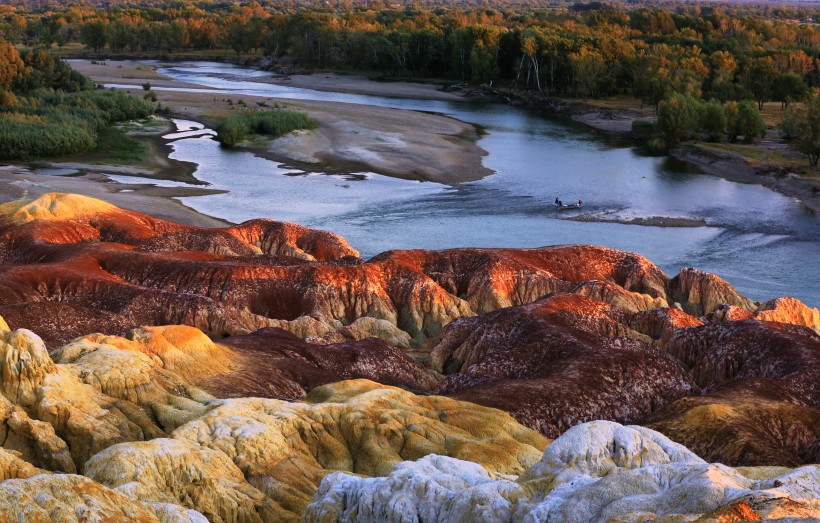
(704, 50)
(653, 52)
(48, 109)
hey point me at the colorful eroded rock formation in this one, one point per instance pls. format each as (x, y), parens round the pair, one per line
(264, 372)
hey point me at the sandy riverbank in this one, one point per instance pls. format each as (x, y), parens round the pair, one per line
(336, 83)
(21, 182)
(406, 144)
(735, 168)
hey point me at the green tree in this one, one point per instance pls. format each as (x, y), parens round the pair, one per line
(758, 79)
(677, 117)
(722, 83)
(118, 36)
(93, 35)
(239, 37)
(483, 66)
(713, 120)
(802, 125)
(787, 87)
(591, 74)
(744, 119)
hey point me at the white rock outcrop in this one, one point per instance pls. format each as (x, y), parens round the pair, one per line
(595, 472)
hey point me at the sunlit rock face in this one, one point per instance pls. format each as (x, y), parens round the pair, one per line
(125, 413)
(93, 264)
(254, 459)
(700, 293)
(188, 374)
(789, 310)
(69, 498)
(102, 390)
(73, 263)
(598, 471)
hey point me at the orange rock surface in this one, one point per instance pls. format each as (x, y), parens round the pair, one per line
(555, 335)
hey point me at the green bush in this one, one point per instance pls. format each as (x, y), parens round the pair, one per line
(57, 124)
(657, 145)
(643, 130)
(273, 123)
(744, 119)
(802, 126)
(713, 120)
(678, 117)
(26, 138)
(52, 110)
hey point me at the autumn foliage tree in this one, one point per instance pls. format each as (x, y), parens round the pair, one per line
(11, 65)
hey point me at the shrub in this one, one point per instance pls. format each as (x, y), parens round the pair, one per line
(642, 130)
(58, 124)
(744, 119)
(802, 126)
(273, 123)
(713, 120)
(657, 145)
(7, 98)
(678, 117)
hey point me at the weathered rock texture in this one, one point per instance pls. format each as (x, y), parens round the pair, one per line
(599, 471)
(554, 336)
(103, 390)
(63, 498)
(274, 363)
(123, 412)
(254, 459)
(557, 362)
(91, 262)
(741, 392)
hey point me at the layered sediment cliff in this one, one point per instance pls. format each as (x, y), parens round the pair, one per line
(264, 372)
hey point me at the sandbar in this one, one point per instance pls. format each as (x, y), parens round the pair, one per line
(18, 182)
(393, 142)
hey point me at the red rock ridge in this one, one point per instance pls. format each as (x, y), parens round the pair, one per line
(554, 335)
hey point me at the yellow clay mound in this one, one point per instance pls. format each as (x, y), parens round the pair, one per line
(53, 206)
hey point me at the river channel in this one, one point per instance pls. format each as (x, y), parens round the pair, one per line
(762, 242)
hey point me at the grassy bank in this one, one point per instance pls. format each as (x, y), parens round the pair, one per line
(119, 146)
(58, 124)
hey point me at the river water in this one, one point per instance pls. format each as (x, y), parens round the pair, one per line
(762, 242)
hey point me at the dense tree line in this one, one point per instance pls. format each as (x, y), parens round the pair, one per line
(711, 52)
(802, 126)
(48, 109)
(660, 53)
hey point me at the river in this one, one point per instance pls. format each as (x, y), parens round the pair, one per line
(763, 243)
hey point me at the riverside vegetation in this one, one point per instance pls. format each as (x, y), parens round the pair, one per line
(273, 122)
(653, 53)
(48, 109)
